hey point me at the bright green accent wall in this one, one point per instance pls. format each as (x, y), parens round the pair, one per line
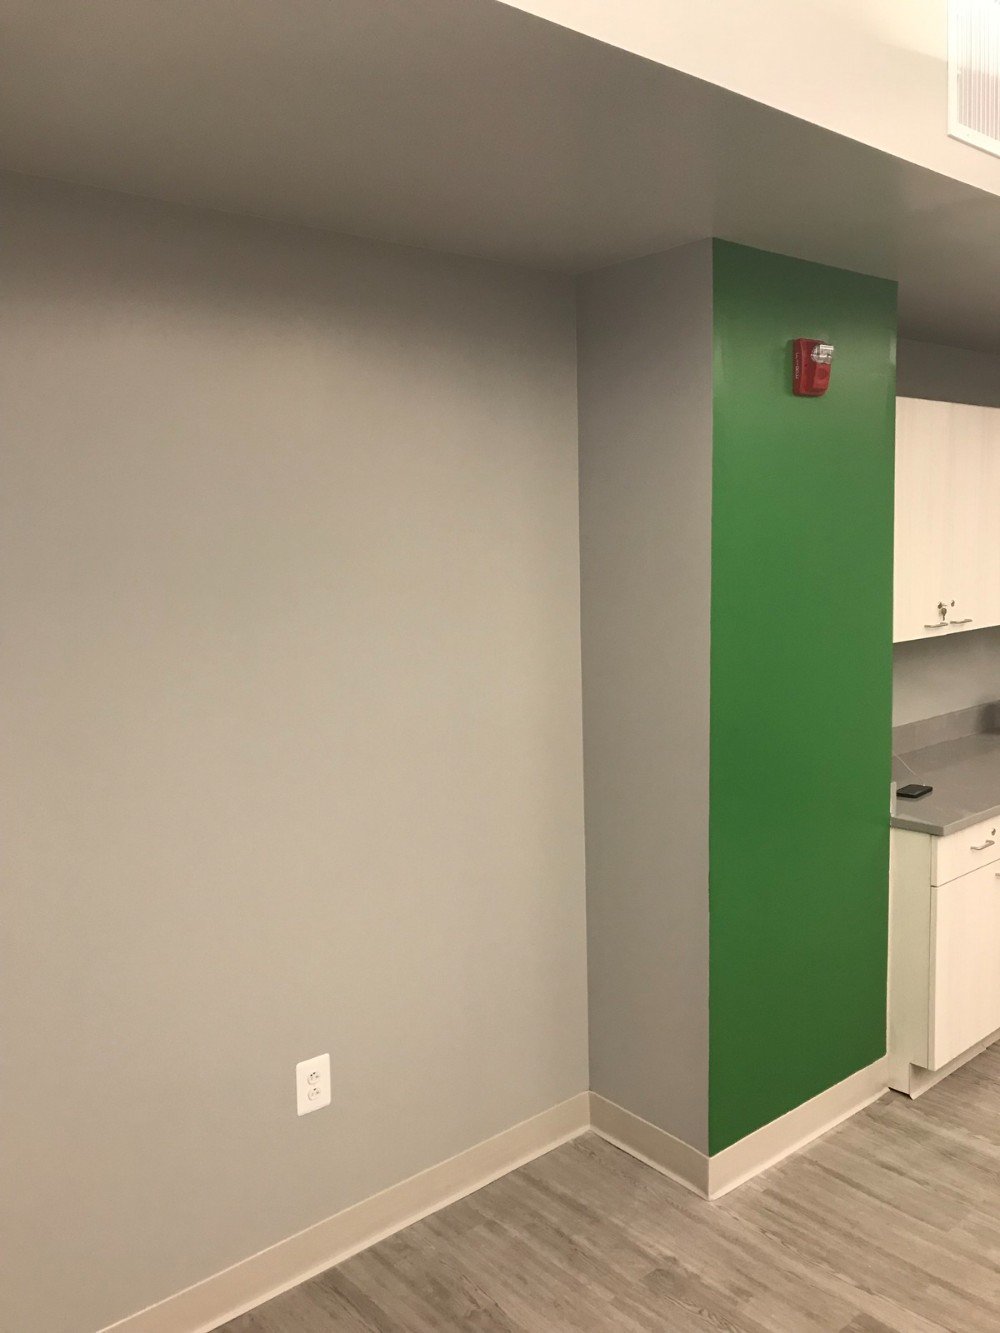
(801, 682)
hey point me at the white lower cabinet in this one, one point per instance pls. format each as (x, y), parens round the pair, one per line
(965, 964)
(944, 953)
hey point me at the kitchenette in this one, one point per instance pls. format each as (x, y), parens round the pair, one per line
(944, 938)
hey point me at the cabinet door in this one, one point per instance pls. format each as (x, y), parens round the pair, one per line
(971, 548)
(947, 514)
(965, 963)
(924, 483)
(990, 504)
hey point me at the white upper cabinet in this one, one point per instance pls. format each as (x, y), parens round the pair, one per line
(947, 547)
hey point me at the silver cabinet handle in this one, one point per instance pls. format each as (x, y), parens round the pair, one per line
(966, 621)
(990, 842)
(941, 624)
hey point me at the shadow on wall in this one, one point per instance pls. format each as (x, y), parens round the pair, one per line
(935, 676)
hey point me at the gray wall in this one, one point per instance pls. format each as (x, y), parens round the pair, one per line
(931, 677)
(949, 374)
(943, 675)
(645, 366)
(292, 689)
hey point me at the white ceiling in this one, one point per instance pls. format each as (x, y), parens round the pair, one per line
(875, 70)
(469, 126)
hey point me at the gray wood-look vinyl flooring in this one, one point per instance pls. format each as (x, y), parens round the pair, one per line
(889, 1222)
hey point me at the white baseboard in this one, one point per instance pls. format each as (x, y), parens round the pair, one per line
(650, 1144)
(207, 1304)
(711, 1177)
(249, 1283)
(781, 1137)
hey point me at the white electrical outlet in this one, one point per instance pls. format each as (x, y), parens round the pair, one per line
(312, 1084)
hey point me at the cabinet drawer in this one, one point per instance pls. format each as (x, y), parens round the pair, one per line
(958, 853)
(965, 964)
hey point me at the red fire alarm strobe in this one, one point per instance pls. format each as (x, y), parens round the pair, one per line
(811, 367)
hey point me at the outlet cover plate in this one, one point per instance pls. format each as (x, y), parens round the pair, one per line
(312, 1084)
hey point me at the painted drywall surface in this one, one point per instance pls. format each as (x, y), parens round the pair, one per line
(801, 686)
(947, 374)
(292, 737)
(930, 678)
(645, 342)
(874, 70)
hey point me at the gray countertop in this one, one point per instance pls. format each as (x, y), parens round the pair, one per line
(963, 769)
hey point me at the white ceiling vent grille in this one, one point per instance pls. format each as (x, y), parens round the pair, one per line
(974, 72)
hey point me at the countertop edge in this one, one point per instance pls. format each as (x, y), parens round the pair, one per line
(914, 824)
